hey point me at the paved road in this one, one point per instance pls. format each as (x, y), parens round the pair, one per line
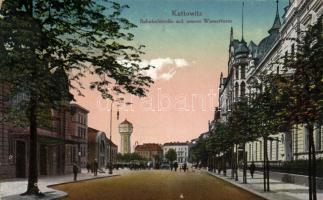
(156, 185)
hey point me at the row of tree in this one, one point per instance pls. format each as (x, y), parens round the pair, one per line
(275, 104)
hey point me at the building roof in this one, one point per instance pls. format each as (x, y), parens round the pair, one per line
(111, 143)
(73, 104)
(126, 122)
(176, 143)
(242, 49)
(277, 24)
(148, 147)
(92, 134)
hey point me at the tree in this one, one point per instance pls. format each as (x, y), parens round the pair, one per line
(304, 90)
(240, 131)
(48, 46)
(199, 151)
(265, 108)
(219, 143)
(171, 155)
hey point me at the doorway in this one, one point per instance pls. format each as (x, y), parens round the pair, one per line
(20, 159)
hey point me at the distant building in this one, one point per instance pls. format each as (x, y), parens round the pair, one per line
(99, 148)
(150, 151)
(181, 148)
(125, 130)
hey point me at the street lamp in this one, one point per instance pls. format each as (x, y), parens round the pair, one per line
(119, 100)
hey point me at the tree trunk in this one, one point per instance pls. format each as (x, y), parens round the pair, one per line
(232, 162)
(264, 165)
(244, 164)
(225, 164)
(312, 163)
(236, 164)
(32, 188)
(267, 167)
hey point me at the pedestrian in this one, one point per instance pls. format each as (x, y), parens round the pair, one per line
(75, 171)
(184, 167)
(252, 168)
(175, 166)
(88, 167)
(95, 167)
(171, 166)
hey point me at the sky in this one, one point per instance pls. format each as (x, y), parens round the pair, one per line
(188, 60)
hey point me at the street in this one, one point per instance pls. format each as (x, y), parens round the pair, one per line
(156, 185)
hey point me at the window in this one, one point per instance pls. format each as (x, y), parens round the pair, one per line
(243, 72)
(318, 137)
(242, 89)
(236, 88)
(237, 72)
(293, 50)
(277, 70)
(306, 139)
(256, 151)
(260, 150)
(277, 148)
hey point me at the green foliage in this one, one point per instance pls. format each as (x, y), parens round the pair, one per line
(171, 155)
(305, 85)
(128, 157)
(220, 139)
(199, 151)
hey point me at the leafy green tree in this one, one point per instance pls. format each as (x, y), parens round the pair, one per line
(304, 90)
(200, 152)
(171, 155)
(265, 119)
(48, 46)
(220, 142)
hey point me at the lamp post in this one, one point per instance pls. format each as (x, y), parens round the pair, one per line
(110, 149)
(119, 100)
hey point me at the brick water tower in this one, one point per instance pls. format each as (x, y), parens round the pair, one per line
(125, 130)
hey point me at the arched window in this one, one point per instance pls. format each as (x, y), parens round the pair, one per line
(242, 89)
(236, 88)
(102, 147)
(243, 72)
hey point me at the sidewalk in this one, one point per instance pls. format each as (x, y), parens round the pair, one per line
(12, 188)
(279, 189)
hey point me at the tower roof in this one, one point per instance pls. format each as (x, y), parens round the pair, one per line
(277, 23)
(126, 122)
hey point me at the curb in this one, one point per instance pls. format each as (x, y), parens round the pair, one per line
(238, 185)
(78, 181)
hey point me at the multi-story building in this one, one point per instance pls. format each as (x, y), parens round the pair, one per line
(181, 148)
(150, 151)
(247, 63)
(58, 141)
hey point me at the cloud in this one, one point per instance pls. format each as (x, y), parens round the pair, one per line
(165, 68)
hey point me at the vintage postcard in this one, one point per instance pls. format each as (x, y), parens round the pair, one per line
(161, 99)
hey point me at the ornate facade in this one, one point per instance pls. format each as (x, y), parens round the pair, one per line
(248, 61)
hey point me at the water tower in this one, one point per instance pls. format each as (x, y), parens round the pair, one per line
(125, 130)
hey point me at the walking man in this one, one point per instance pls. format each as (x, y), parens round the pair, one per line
(95, 167)
(252, 168)
(75, 171)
